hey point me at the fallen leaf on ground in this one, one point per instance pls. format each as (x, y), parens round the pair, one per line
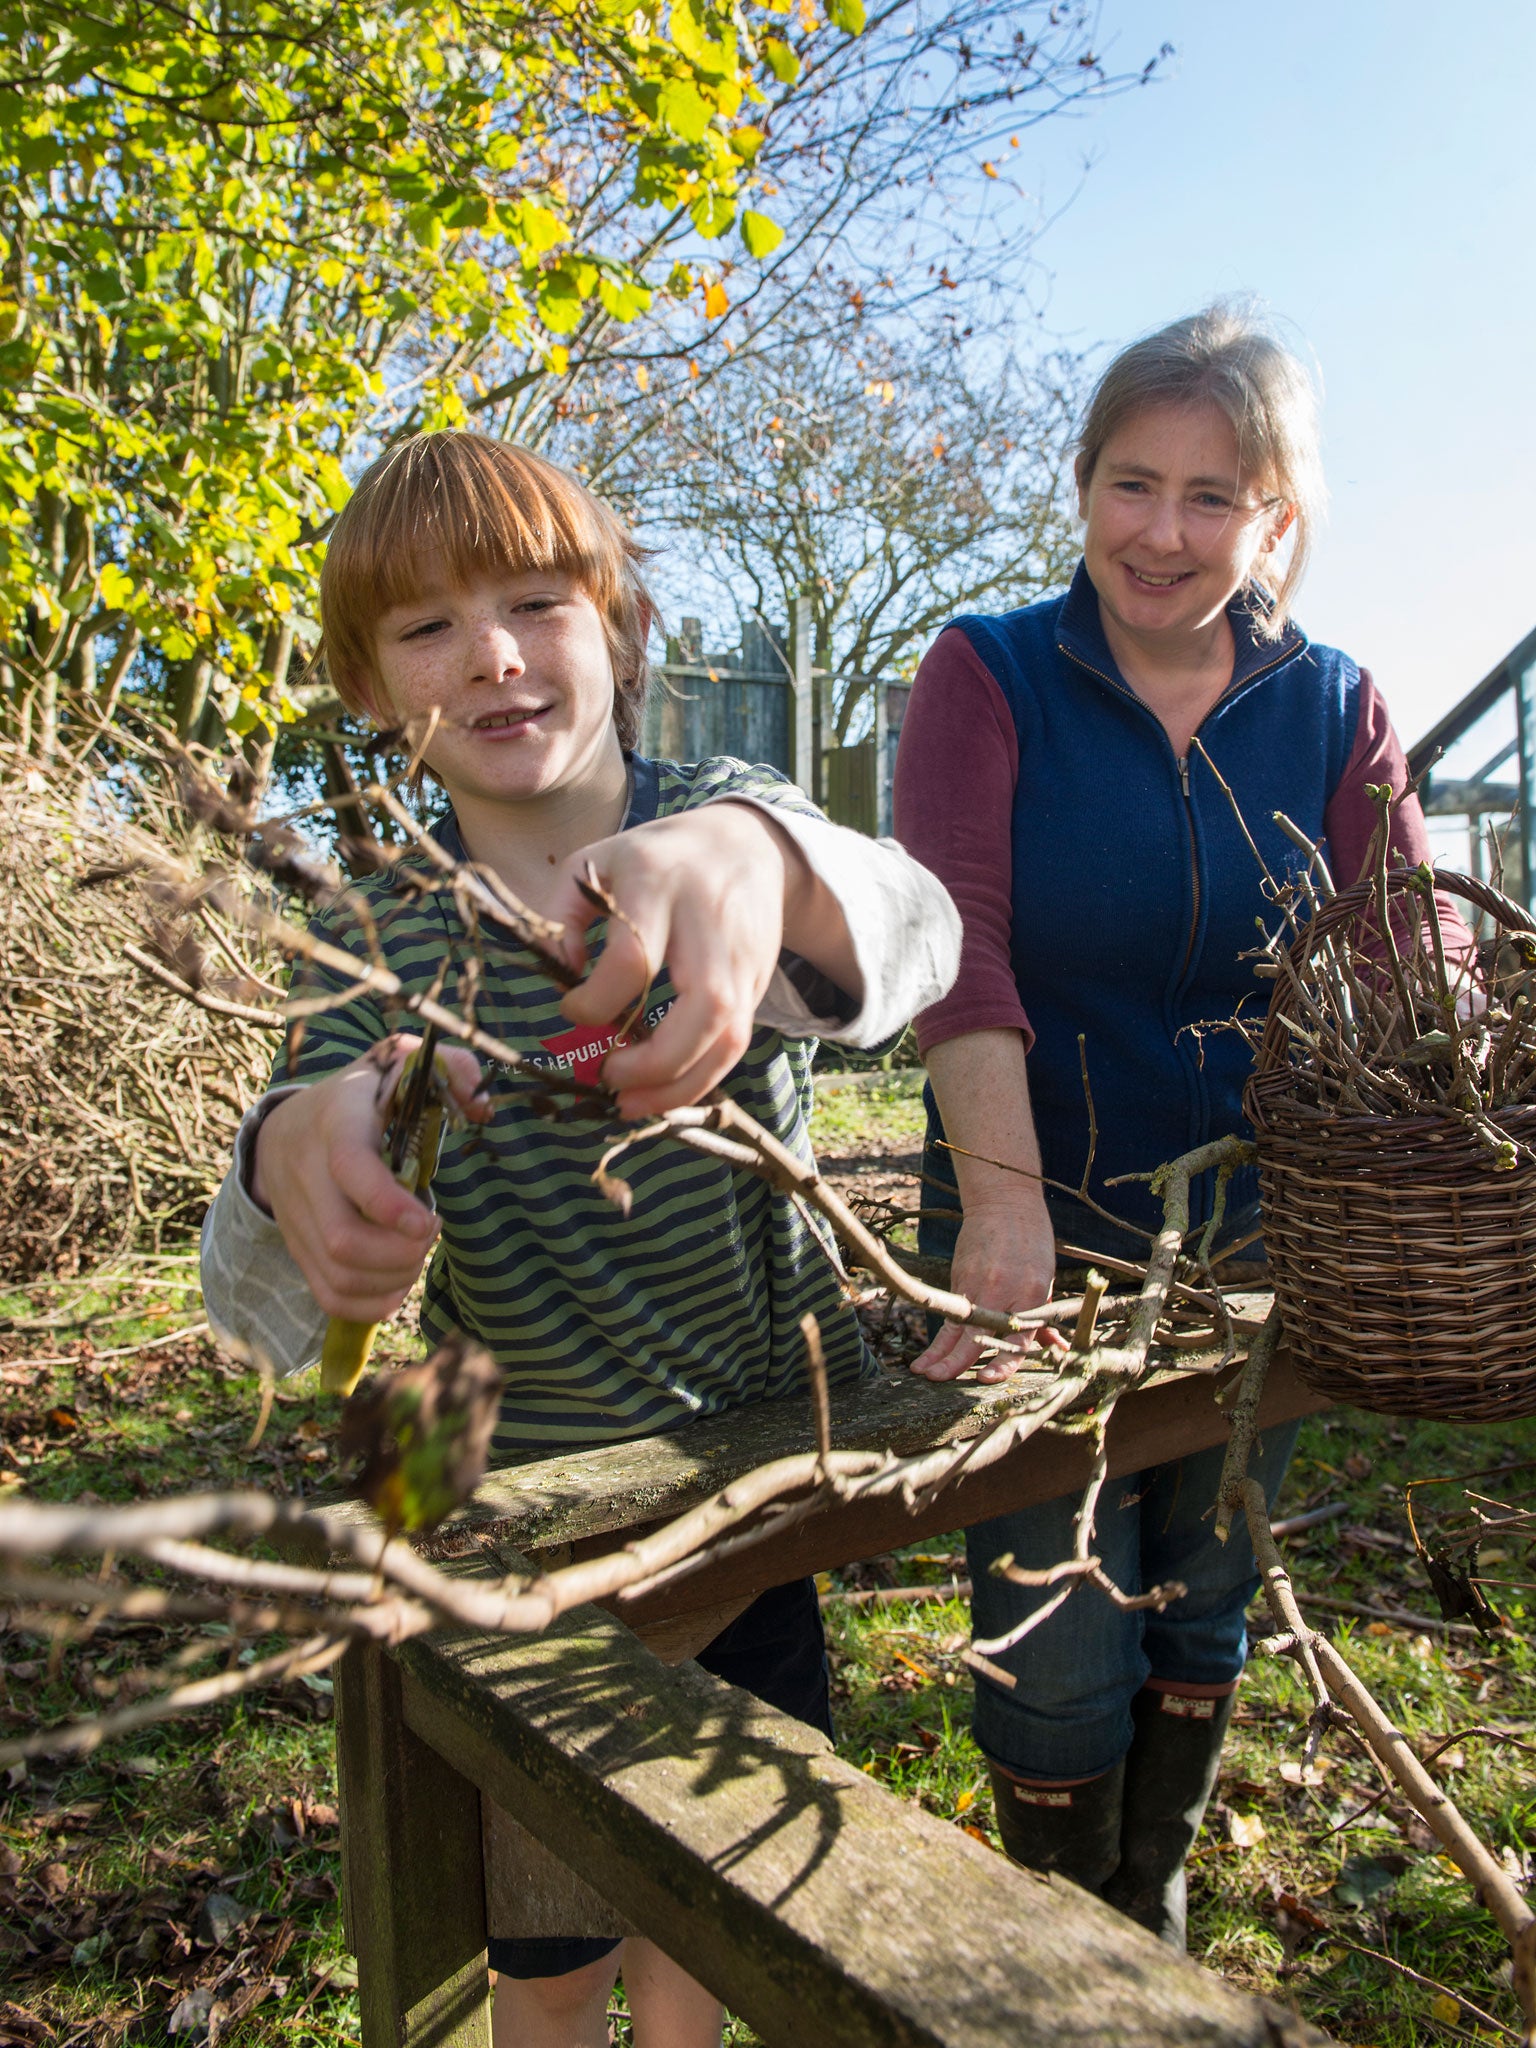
(190, 2015)
(1363, 1877)
(1304, 1774)
(221, 1914)
(1298, 1909)
(19, 2025)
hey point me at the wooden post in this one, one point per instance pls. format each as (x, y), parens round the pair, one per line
(803, 722)
(882, 825)
(1525, 727)
(413, 1889)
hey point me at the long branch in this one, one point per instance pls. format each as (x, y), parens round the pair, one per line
(1245, 1421)
(1332, 1678)
(81, 1737)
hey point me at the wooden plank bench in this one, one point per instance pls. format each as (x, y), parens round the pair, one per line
(820, 1907)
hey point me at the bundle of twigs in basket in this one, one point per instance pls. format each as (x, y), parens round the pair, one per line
(1380, 1010)
(1394, 1102)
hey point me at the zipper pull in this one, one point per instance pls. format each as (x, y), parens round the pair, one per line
(1184, 774)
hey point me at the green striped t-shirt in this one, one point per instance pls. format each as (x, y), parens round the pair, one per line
(607, 1326)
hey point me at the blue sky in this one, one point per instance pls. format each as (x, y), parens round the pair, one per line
(1366, 167)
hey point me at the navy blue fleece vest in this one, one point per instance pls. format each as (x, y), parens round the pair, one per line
(1135, 893)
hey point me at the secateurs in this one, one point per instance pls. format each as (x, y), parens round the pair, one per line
(420, 1105)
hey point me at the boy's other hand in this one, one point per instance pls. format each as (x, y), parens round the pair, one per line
(357, 1235)
(710, 892)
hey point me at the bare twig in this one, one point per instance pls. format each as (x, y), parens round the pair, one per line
(1095, 1286)
(218, 1006)
(1332, 1678)
(1501, 1735)
(1245, 1422)
(896, 1596)
(117, 1351)
(816, 1365)
(1379, 1955)
(81, 1737)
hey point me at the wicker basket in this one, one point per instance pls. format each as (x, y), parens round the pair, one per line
(1404, 1263)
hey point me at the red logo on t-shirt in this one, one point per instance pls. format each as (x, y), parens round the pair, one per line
(582, 1050)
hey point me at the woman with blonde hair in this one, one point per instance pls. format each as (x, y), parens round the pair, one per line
(1062, 769)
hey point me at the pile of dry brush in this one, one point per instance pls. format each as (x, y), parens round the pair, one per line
(117, 1106)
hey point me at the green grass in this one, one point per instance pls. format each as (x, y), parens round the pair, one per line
(105, 1863)
(1281, 1907)
(859, 1112)
(1378, 1882)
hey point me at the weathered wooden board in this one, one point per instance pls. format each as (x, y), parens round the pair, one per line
(580, 1494)
(540, 1502)
(1153, 1426)
(578, 1503)
(822, 1908)
(532, 1892)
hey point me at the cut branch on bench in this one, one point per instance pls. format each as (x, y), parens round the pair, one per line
(389, 1594)
(397, 1593)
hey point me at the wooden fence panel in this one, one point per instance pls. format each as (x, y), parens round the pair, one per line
(692, 715)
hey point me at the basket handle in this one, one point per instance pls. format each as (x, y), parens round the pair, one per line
(1361, 895)
(1346, 907)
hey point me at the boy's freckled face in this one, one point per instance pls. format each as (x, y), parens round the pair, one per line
(517, 668)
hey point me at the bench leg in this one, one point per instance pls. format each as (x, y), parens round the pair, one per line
(413, 1887)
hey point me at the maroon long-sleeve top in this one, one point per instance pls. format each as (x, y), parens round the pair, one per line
(956, 775)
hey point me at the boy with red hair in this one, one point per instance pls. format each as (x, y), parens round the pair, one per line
(481, 596)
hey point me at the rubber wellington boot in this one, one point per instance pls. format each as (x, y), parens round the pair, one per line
(1169, 1773)
(1069, 1831)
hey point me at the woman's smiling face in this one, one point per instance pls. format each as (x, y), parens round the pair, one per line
(1174, 525)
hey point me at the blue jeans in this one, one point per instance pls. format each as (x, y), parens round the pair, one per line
(1069, 1716)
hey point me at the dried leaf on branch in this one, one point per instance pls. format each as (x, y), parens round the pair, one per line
(423, 1435)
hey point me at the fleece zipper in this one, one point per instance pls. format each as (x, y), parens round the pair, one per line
(1194, 869)
(1181, 762)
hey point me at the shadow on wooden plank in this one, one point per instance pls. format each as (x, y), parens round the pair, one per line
(821, 1908)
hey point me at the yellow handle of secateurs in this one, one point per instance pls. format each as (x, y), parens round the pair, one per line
(344, 1354)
